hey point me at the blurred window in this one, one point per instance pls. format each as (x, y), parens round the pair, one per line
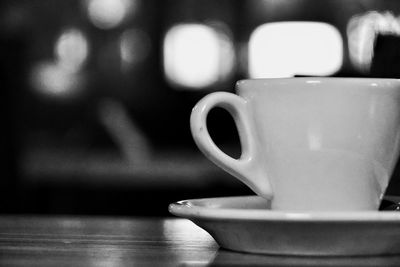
(286, 49)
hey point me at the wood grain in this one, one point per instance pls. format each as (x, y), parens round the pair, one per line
(105, 241)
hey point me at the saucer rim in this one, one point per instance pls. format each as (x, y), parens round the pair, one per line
(192, 209)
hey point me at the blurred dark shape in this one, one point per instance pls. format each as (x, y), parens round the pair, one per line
(129, 138)
(386, 56)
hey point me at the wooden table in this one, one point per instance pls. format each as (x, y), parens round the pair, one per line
(105, 241)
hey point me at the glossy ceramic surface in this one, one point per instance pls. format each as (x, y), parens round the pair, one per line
(321, 143)
(247, 224)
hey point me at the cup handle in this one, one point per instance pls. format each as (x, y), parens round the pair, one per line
(248, 168)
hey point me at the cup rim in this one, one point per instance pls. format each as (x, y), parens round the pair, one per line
(374, 82)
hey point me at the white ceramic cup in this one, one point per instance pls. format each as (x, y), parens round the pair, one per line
(310, 144)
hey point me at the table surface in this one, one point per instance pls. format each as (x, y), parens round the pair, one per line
(112, 241)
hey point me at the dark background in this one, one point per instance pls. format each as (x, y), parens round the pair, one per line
(109, 133)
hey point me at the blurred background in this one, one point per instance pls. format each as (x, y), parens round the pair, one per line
(97, 94)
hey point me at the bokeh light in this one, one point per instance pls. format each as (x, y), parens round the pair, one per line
(62, 76)
(107, 14)
(134, 47)
(71, 49)
(52, 80)
(197, 55)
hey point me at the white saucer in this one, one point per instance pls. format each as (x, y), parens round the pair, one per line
(246, 224)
